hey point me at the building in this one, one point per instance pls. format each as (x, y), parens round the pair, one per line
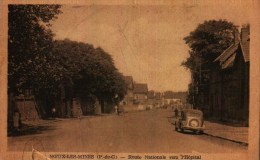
(170, 98)
(140, 93)
(158, 95)
(27, 108)
(129, 97)
(151, 94)
(228, 97)
(154, 98)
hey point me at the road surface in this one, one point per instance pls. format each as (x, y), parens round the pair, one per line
(138, 132)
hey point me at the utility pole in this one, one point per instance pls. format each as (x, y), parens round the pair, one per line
(197, 85)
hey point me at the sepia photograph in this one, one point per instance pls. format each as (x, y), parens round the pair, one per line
(132, 80)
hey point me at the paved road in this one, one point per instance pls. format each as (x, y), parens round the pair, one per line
(146, 131)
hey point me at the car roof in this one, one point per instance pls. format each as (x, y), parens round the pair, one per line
(193, 111)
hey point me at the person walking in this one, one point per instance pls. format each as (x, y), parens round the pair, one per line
(53, 112)
(117, 110)
(176, 112)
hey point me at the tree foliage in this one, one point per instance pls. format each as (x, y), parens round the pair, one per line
(206, 43)
(29, 47)
(92, 70)
(46, 66)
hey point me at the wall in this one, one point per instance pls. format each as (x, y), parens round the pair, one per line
(228, 92)
(27, 108)
(142, 98)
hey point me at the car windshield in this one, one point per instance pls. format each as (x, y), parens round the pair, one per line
(194, 114)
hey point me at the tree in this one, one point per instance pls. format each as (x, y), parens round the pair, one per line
(92, 71)
(45, 66)
(151, 94)
(210, 39)
(206, 43)
(29, 47)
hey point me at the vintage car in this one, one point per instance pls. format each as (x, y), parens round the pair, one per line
(191, 120)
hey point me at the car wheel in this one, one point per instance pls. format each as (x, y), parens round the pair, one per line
(181, 128)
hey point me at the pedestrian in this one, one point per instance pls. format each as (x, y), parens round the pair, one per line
(176, 112)
(117, 110)
(53, 112)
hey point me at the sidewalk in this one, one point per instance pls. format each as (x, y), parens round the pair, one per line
(236, 134)
(227, 132)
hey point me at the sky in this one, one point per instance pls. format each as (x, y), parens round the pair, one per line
(145, 41)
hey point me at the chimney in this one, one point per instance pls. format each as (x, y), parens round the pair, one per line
(245, 40)
(245, 32)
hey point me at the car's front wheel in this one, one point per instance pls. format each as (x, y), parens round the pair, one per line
(176, 128)
(180, 127)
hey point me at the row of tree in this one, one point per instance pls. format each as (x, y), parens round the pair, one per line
(39, 63)
(206, 43)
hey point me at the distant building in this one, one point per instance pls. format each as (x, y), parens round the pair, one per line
(129, 97)
(170, 98)
(158, 95)
(228, 97)
(151, 94)
(154, 98)
(140, 92)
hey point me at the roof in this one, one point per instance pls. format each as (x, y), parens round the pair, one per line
(227, 53)
(140, 88)
(245, 50)
(168, 95)
(227, 58)
(128, 79)
(192, 111)
(229, 62)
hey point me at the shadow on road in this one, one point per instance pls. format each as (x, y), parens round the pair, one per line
(228, 123)
(31, 130)
(189, 133)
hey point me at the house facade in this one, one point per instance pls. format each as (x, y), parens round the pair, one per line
(171, 98)
(129, 97)
(140, 93)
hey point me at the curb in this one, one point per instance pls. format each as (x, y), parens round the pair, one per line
(231, 140)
